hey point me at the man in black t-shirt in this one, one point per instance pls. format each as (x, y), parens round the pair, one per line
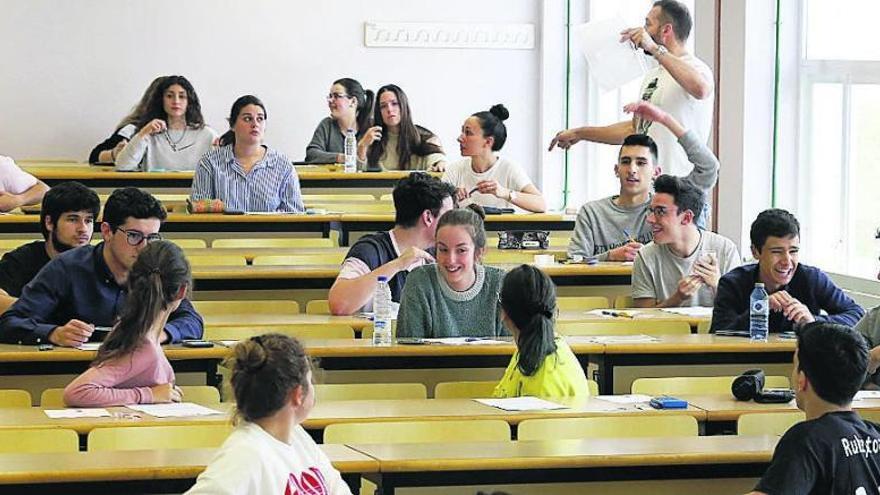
(833, 451)
(67, 220)
(419, 201)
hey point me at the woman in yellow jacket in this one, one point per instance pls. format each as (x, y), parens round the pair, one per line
(543, 365)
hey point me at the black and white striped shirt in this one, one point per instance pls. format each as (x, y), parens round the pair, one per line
(271, 185)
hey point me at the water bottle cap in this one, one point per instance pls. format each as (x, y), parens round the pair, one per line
(383, 278)
(759, 284)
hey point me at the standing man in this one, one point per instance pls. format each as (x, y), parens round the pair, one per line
(86, 287)
(67, 221)
(681, 85)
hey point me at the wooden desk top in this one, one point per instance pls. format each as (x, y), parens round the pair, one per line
(329, 412)
(701, 343)
(620, 452)
(141, 465)
(331, 271)
(35, 418)
(11, 353)
(275, 319)
(645, 314)
(503, 218)
(725, 407)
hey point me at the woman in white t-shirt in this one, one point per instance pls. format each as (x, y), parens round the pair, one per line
(485, 178)
(269, 452)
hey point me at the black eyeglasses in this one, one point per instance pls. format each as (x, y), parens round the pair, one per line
(135, 238)
(337, 96)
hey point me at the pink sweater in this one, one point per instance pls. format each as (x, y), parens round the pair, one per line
(120, 381)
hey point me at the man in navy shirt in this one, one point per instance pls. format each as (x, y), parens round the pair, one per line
(834, 451)
(797, 292)
(85, 287)
(419, 201)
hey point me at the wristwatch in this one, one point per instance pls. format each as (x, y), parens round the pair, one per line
(660, 50)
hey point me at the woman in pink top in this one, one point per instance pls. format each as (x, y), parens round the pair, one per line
(130, 367)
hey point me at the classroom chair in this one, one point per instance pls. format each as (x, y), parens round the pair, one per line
(581, 303)
(53, 398)
(245, 307)
(480, 389)
(217, 260)
(481, 430)
(190, 243)
(497, 256)
(370, 391)
(318, 307)
(15, 398)
(193, 436)
(623, 302)
(608, 427)
(623, 327)
(10, 244)
(704, 326)
(560, 239)
(775, 423)
(274, 242)
(38, 441)
(301, 259)
(696, 385)
(305, 331)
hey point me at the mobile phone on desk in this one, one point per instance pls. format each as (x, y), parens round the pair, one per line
(411, 341)
(196, 343)
(666, 402)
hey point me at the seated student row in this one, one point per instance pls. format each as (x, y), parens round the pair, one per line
(170, 134)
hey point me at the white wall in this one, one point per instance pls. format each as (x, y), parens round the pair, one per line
(71, 70)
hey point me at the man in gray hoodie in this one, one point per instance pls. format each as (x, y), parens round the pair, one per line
(614, 228)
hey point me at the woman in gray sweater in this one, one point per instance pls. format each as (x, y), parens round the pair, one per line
(457, 296)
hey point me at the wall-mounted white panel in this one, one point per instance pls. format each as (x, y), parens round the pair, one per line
(449, 35)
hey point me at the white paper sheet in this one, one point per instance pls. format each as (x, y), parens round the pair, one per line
(867, 394)
(177, 410)
(227, 343)
(698, 311)
(464, 341)
(89, 346)
(522, 404)
(612, 63)
(615, 313)
(625, 399)
(77, 413)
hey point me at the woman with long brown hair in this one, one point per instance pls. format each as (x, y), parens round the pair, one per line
(131, 367)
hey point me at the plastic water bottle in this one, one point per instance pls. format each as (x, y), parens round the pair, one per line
(382, 309)
(759, 313)
(350, 152)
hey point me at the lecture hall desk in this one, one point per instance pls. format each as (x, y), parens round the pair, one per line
(136, 471)
(268, 277)
(622, 459)
(400, 465)
(310, 176)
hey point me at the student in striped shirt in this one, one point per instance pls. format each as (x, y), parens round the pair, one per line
(243, 172)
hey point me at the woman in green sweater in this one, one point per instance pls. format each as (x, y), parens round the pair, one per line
(543, 365)
(457, 296)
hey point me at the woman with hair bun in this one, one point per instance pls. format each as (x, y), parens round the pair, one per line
(131, 367)
(269, 452)
(484, 177)
(350, 108)
(543, 365)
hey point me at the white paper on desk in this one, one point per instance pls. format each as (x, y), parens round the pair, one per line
(522, 404)
(77, 413)
(612, 63)
(698, 311)
(89, 346)
(625, 399)
(227, 343)
(612, 313)
(463, 341)
(613, 339)
(177, 409)
(867, 394)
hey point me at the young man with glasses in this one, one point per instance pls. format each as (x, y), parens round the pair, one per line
(67, 221)
(86, 288)
(681, 267)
